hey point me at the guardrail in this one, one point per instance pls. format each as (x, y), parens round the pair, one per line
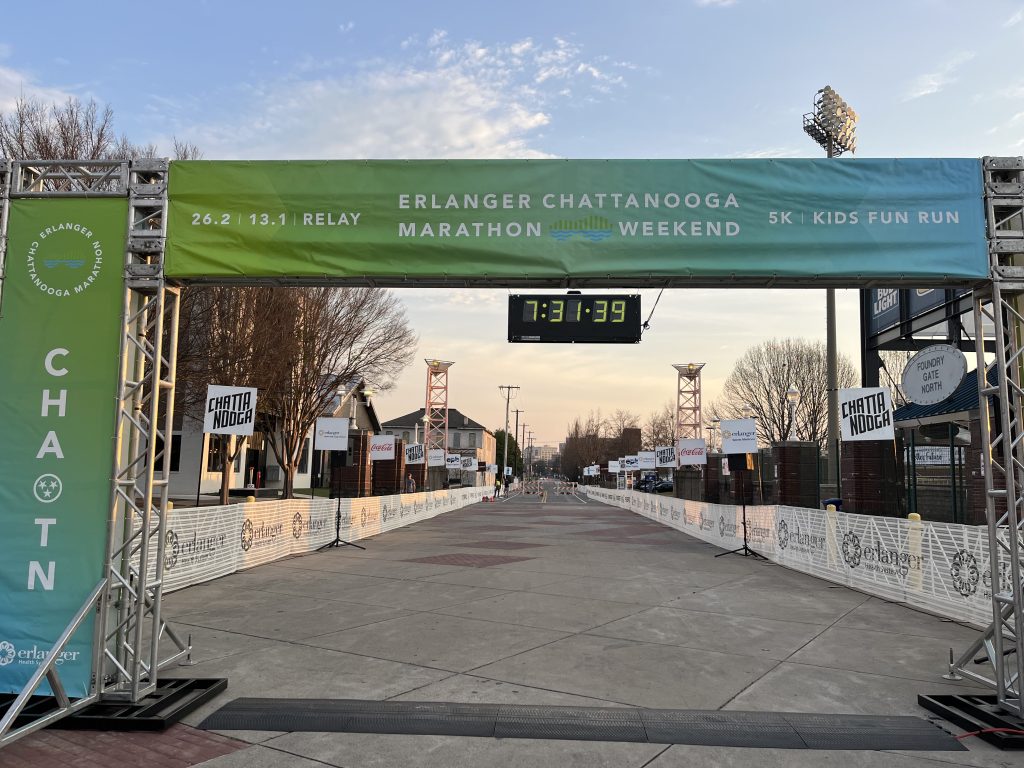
(942, 568)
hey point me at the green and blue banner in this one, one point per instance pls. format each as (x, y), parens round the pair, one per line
(541, 222)
(59, 347)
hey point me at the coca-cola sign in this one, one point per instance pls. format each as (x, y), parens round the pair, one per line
(689, 451)
(382, 447)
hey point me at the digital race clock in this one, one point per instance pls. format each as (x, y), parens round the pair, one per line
(574, 318)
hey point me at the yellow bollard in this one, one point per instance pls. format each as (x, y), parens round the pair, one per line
(831, 535)
(170, 505)
(915, 576)
(250, 499)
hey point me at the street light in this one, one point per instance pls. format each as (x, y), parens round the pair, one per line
(747, 410)
(793, 399)
(426, 420)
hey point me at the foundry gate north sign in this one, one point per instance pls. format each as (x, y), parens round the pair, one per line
(541, 223)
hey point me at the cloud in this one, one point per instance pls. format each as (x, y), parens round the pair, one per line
(715, 3)
(15, 84)
(1015, 19)
(444, 99)
(768, 152)
(346, 27)
(933, 82)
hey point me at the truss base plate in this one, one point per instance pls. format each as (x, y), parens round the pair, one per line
(171, 701)
(978, 713)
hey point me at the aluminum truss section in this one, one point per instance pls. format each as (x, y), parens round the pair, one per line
(71, 178)
(128, 653)
(996, 658)
(48, 671)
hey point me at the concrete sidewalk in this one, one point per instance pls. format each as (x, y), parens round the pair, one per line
(565, 602)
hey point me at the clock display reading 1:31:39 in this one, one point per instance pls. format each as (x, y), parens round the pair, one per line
(583, 309)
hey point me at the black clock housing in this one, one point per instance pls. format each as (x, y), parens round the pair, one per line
(574, 318)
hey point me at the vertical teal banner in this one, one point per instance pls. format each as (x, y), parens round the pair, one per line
(59, 353)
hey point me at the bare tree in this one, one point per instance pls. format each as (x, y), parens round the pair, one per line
(660, 427)
(333, 335)
(761, 378)
(584, 444)
(613, 427)
(893, 363)
(35, 129)
(75, 130)
(228, 335)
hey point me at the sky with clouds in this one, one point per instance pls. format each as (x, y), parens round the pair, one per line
(598, 79)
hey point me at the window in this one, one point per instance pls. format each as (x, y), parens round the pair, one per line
(215, 453)
(472, 439)
(175, 454)
(456, 439)
(304, 457)
(389, 432)
(405, 435)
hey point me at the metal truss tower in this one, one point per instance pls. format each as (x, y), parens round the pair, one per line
(127, 599)
(688, 413)
(436, 435)
(1001, 646)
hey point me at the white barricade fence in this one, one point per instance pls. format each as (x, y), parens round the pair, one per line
(204, 543)
(942, 568)
(531, 486)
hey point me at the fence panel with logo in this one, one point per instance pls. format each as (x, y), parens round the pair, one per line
(942, 568)
(205, 543)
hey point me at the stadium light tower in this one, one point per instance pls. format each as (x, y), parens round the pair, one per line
(833, 125)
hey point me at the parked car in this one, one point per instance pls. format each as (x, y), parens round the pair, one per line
(663, 485)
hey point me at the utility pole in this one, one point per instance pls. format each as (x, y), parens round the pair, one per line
(517, 411)
(530, 449)
(508, 389)
(522, 446)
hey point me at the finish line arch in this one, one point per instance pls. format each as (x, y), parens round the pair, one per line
(92, 254)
